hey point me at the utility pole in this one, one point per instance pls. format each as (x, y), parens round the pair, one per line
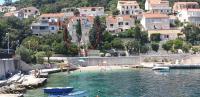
(8, 44)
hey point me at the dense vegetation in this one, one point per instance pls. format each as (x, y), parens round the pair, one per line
(15, 29)
(57, 5)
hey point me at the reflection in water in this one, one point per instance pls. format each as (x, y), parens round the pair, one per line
(130, 83)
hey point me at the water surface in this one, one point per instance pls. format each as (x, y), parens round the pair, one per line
(128, 83)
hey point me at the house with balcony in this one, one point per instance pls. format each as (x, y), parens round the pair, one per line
(158, 6)
(7, 8)
(27, 12)
(48, 23)
(179, 6)
(152, 21)
(167, 34)
(129, 8)
(191, 16)
(119, 23)
(91, 11)
(86, 25)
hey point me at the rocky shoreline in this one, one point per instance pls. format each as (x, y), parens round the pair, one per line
(17, 85)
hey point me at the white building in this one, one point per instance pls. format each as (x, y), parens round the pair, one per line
(129, 8)
(190, 15)
(48, 23)
(91, 11)
(178, 6)
(152, 21)
(27, 12)
(158, 6)
(119, 23)
(86, 25)
(165, 35)
(7, 8)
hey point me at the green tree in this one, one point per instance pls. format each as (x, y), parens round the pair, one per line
(78, 30)
(107, 45)
(107, 37)
(117, 43)
(133, 47)
(96, 33)
(40, 57)
(192, 34)
(31, 42)
(73, 50)
(155, 37)
(115, 12)
(48, 53)
(167, 46)
(186, 47)
(26, 55)
(155, 46)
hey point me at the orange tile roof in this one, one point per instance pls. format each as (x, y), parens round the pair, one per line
(186, 3)
(90, 18)
(113, 19)
(58, 15)
(9, 14)
(158, 1)
(89, 7)
(192, 9)
(155, 15)
(128, 2)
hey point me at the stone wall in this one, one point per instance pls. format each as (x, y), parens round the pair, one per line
(13, 66)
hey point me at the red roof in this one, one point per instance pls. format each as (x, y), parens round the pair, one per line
(155, 15)
(58, 15)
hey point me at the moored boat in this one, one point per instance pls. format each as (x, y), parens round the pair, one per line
(58, 90)
(161, 68)
(72, 94)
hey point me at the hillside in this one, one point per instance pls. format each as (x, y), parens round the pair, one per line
(56, 5)
(47, 6)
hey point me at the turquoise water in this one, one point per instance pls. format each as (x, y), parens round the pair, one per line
(129, 83)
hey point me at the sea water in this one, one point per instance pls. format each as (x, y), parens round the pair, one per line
(128, 83)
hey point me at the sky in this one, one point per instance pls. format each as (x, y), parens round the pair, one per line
(2, 1)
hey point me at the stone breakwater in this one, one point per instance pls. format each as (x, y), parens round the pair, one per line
(17, 85)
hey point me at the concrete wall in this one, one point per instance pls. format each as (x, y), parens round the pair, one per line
(5, 66)
(13, 66)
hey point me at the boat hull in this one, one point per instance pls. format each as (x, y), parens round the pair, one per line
(58, 90)
(73, 94)
(162, 69)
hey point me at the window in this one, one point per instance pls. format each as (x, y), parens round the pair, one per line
(120, 23)
(111, 25)
(127, 23)
(42, 27)
(93, 9)
(52, 28)
(127, 12)
(122, 12)
(25, 10)
(29, 10)
(127, 7)
(123, 7)
(135, 7)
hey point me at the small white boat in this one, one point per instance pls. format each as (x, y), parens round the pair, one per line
(72, 94)
(161, 68)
